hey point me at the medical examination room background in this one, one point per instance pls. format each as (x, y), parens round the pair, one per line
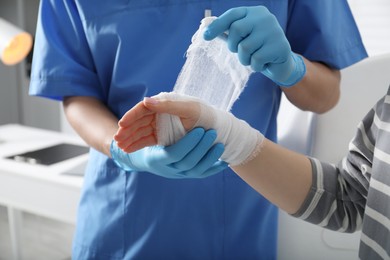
(42, 237)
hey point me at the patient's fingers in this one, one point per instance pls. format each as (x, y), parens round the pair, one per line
(175, 107)
(137, 128)
(134, 137)
(135, 113)
(188, 111)
(138, 125)
(141, 143)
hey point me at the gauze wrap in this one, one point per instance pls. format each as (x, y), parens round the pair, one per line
(242, 142)
(215, 76)
(211, 72)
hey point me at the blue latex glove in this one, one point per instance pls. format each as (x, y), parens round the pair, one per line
(193, 156)
(255, 34)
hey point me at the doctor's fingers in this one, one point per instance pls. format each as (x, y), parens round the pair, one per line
(209, 164)
(216, 168)
(240, 31)
(223, 22)
(266, 56)
(177, 151)
(248, 46)
(198, 153)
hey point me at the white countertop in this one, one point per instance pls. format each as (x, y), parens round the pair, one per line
(44, 190)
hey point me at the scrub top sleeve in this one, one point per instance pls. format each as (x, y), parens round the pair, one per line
(62, 61)
(325, 31)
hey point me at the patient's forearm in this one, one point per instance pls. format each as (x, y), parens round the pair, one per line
(282, 176)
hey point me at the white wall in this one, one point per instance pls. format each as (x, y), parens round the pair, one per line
(36, 111)
(16, 106)
(9, 91)
(373, 20)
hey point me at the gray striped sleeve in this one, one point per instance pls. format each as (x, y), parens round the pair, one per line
(338, 194)
(334, 201)
(359, 185)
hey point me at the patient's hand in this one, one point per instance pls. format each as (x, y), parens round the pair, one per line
(137, 128)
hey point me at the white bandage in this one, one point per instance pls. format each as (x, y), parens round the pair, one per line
(212, 72)
(242, 142)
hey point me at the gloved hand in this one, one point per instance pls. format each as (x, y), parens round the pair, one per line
(255, 34)
(193, 156)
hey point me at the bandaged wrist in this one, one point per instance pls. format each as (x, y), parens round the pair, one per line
(242, 142)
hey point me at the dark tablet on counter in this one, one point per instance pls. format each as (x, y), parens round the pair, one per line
(51, 155)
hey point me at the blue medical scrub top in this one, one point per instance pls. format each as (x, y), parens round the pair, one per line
(119, 51)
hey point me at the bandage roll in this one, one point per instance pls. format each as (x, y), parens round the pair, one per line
(211, 72)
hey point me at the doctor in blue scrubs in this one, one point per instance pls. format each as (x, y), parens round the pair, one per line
(101, 57)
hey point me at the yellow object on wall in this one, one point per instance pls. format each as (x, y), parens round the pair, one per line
(15, 44)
